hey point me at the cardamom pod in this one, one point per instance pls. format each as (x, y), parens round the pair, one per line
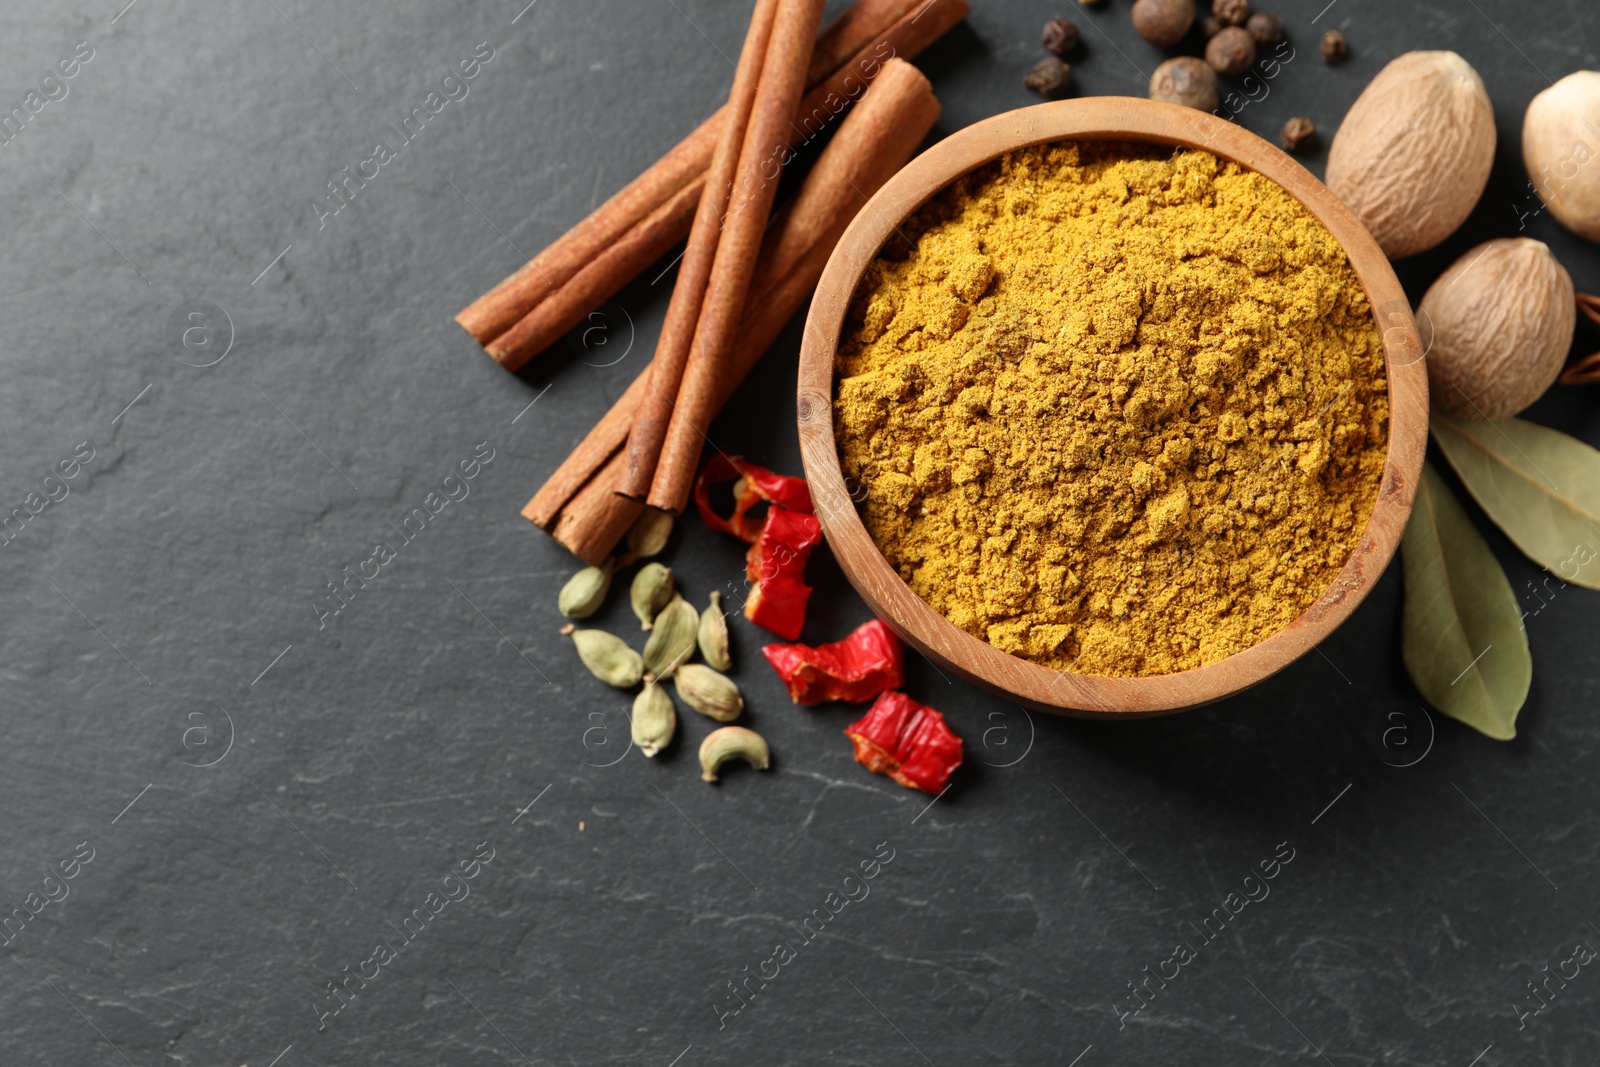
(649, 532)
(671, 640)
(585, 592)
(609, 658)
(713, 635)
(732, 742)
(711, 694)
(654, 720)
(651, 591)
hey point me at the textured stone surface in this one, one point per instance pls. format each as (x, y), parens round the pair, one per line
(164, 610)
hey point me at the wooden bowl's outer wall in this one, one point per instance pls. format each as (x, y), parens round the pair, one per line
(1120, 119)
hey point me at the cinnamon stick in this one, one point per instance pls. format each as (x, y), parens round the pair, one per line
(871, 144)
(760, 164)
(592, 453)
(918, 24)
(596, 283)
(700, 257)
(597, 518)
(501, 307)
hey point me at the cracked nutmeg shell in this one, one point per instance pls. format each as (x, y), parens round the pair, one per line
(1413, 154)
(1496, 327)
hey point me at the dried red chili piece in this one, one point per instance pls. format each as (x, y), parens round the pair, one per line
(775, 569)
(856, 669)
(755, 484)
(907, 741)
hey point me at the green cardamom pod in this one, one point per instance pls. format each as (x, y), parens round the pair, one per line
(671, 639)
(711, 694)
(651, 591)
(713, 636)
(654, 719)
(609, 658)
(732, 742)
(584, 592)
(649, 532)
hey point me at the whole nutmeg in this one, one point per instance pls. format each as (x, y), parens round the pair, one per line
(1496, 328)
(1561, 149)
(1091, 3)
(1265, 28)
(1186, 80)
(1059, 36)
(1231, 52)
(1297, 134)
(1163, 22)
(1210, 26)
(1050, 78)
(1333, 47)
(1231, 12)
(1413, 154)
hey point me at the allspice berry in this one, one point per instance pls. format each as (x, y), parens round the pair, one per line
(1333, 47)
(1231, 12)
(1231, 52)
(1050, 78)
(1266, 28)
(1186, 80)
(1163, 22)
(1297, 134)
(1059, 36)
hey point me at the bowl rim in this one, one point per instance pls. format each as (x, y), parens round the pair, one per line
(945, 644)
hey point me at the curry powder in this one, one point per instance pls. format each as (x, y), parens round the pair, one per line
(1112, 410)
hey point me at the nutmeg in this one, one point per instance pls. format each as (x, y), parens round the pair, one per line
(1413, 154)
(1561, 149)
(1496, 328)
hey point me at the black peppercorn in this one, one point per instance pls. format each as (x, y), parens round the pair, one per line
(1231, 12)
(1187, 81)
(1059, 36)
(1333, 47)
(1050, 78)
(1163, 22)
(1266, 28)
(1297, 134)
(1231, 52)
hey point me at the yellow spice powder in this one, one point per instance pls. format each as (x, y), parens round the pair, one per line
(1112, 410)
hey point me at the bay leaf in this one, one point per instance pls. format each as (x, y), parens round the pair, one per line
(1462, 637)
(1538, 485)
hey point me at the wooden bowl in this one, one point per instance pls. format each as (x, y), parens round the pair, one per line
(1117, 119)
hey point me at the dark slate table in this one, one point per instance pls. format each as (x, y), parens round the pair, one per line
(252, 793)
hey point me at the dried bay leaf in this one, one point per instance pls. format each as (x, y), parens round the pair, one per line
(1538, 485)
(1462, 636)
